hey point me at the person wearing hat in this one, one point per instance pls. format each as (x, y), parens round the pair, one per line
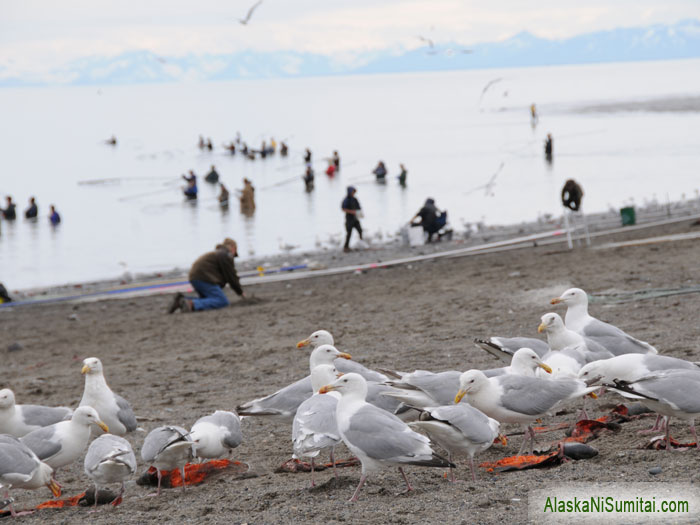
(208, 276)
(353, 212)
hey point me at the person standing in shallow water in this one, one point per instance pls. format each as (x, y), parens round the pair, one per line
(32, 211)
(548, 147)
(247, 198)
(10, 213)
(353, 212)
(54, 217)
(208, 276)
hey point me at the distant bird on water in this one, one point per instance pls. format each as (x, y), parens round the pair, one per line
(245, 20)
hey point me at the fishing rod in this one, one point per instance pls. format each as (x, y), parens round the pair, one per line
(117, 180)
(169, 186)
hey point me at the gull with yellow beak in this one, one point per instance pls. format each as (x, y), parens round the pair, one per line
(62, 443)
(517, 399)
(423, 389)
(284, 403)
(324, 337)
(611, 337)
(375, 436)
(569, 350)
(114, 410)
(21, 469)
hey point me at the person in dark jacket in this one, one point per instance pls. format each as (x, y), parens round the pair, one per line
(9, 213)
(428, 218)
(191, 190)
(548, 147)
(54, 217)
(32, 211)
(208, 276)
(380, 171)
(571, 195)
(353, 212)
(213, 176)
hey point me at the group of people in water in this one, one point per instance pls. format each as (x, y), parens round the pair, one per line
(239, 146)
(246, 198)
(9, 212)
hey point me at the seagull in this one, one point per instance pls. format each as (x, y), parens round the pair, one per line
(428, 41)
(488, 86)
(671, 393)
(459, 428)
(488, 187)
(21, 469)
(314, 427)
(424, 389)
(517, 399)
(167, 448)
(113, 409)
(324, 337)
(216, 434)
(19, 420)
(110, 459)
(609, 336)
(284, 403)
(376, 437)
(245, 20)
(62, 443)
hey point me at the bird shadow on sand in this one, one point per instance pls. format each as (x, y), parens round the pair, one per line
(334, 484)
(248, 301)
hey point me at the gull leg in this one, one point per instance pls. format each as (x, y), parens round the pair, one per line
(182, 471)
(529, 435)
(363, 477)
(471, 467)
(692, 431)
(668, 434)
(118, 499)
(655, 428)
(313, 483)
(452, 474)
(335, 471)
(94, 508)
(408, 485)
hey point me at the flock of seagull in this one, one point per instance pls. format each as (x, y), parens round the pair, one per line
(384, 417)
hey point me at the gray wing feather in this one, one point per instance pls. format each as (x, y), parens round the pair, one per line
(375, 397)
(317, 414)
(533, 396)
(347, 366)
(125, 414)
(41, 441)
(677, 387)
(283, 403)
(665, 362)
(109, 446)
(160, 438)
(383, 436)
(43, 416)
(16, 458)
(614, 339)
(471, 422)
(442, 386)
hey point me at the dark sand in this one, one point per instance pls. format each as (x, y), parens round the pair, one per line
(174, 369)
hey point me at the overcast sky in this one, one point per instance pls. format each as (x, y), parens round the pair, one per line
(37, 35)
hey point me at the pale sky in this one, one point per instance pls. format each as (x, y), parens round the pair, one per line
(39, 35)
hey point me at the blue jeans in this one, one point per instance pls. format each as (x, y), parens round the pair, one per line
(211, 296)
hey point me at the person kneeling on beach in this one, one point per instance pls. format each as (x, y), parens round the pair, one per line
(208, 275)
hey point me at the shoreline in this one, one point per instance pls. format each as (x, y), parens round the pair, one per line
(376, 252)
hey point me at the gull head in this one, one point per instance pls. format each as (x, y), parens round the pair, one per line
(91, 365)
(87, 416)
(347, 385)
(319, 337)
(571, 297)
(594, 372)
(527, 359)
(550, 323)
(470, 382)
(325, 355)
(7, 398)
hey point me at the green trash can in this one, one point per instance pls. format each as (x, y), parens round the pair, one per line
(628, 216)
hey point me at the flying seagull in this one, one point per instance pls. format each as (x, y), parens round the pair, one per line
(430, 43)
(245, 20)
(487, 86)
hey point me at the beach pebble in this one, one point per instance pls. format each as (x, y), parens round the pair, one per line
(635, 409)
(15, 347)
(308, 292)
(655, 470)
(73, 317)
(578, 451)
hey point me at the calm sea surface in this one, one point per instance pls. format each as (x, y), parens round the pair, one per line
(451, 134)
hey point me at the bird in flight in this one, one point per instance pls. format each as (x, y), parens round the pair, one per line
(430, 43)
(245, 20)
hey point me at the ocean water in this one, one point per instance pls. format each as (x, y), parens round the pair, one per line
(451, 131)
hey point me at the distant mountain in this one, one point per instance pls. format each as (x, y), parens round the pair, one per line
(657, 42)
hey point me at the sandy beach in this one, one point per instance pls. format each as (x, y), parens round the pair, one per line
(175, 369)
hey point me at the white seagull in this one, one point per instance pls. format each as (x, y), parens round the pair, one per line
(168, 448)
(113, 409)
(216, 434)
(375, 436)
(609, 336)
(245, 20)
(110, 459)
(18, 420)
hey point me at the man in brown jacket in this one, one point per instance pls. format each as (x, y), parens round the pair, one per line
(208, 275)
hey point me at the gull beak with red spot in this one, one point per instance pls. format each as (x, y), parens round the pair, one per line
(541, 328)
(545, 367)
(460, 395)
(54, 487)
(556, 300)
(104, 427)
(303, 343)
(326, 389)
(344, 355)
(85, 369)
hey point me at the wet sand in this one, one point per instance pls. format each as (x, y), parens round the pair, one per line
(174, 369)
